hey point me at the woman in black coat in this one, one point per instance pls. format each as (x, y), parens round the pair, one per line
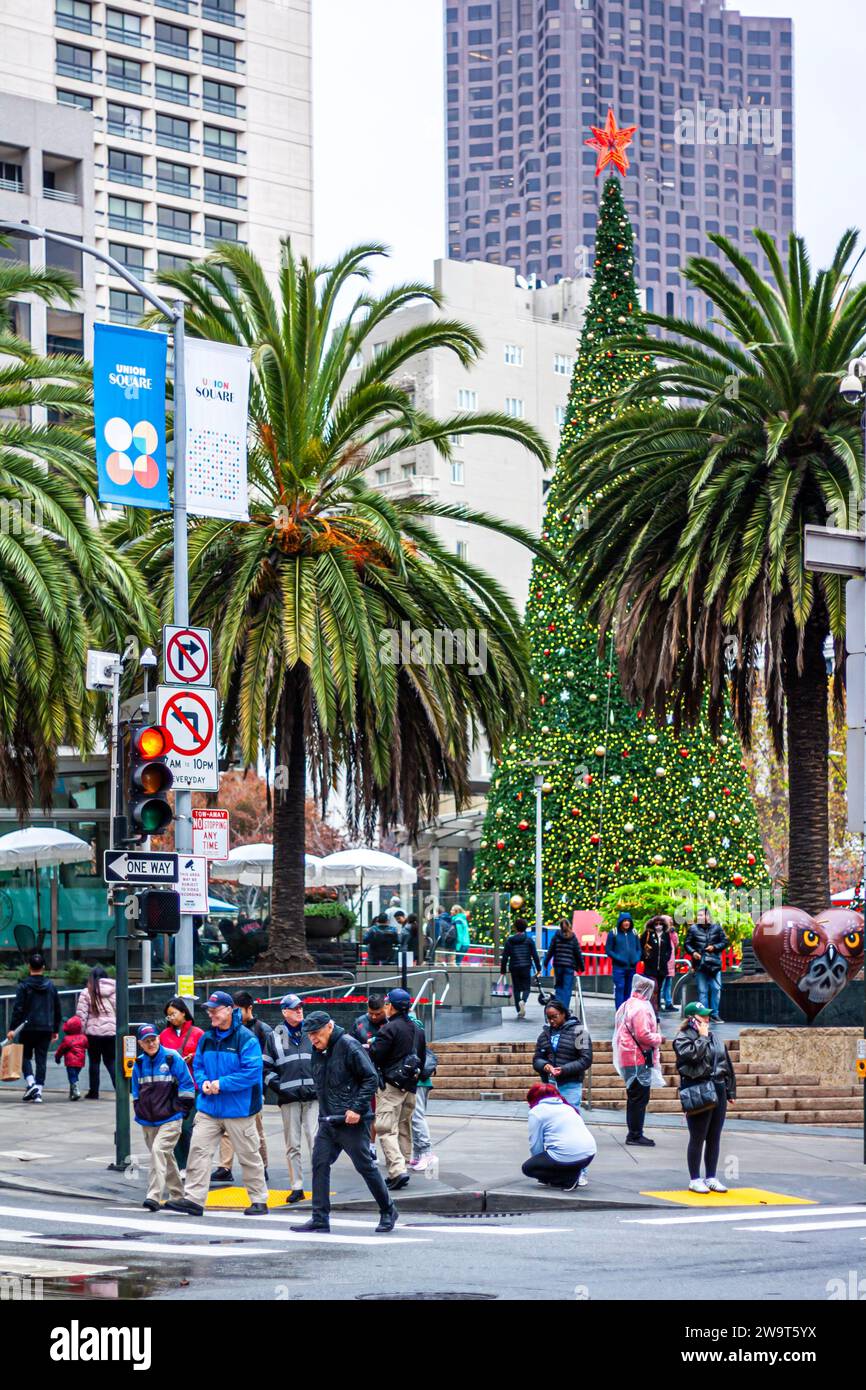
(563, 1052)
(700, 1057)
(655, 952)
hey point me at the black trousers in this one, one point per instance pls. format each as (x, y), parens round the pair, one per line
(36, 1045)
(99, 1050)
(354, 1141)
(705, 1136)
(637, 1100)
(520, 985)
(553, 1173)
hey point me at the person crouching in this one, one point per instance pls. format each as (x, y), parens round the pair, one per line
(561, 1146)
(162, 1094)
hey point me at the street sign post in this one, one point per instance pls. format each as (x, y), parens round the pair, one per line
(186, 655)
(134, 866)
(190, 716)
(210, 832)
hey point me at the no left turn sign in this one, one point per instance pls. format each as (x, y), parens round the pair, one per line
(187, 655)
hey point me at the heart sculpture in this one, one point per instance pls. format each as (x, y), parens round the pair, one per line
(810, 958)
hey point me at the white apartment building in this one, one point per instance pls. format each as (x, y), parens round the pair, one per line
(201, 112)
(530, 339)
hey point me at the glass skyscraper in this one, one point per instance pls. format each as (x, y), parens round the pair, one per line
(710, 90)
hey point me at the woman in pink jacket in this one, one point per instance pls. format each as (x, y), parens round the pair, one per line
(636, 1052)
(96, 1009)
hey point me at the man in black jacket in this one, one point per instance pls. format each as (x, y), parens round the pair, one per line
(346, 1082)
(705, 942)
(382, 940)
(520, 956)
(399, 1041)
(564, 950)
(37, 1006)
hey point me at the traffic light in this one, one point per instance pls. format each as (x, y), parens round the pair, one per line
(150, 779)
(158, 912)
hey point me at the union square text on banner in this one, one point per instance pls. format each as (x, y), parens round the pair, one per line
(129, 416)
(217, 398)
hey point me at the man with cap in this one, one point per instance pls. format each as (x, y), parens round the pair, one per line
(399, 1051)
(228, 1073)
(261, 1032)
(346, 1082)
(162, 1094)
(288, 1056)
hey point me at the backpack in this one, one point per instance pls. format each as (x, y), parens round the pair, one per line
(407, 1072)
(448, 938)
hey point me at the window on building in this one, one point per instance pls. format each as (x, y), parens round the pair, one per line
(173, 132)
(125, 73)
(126, 214)
(74, 14)
(123, 27)
(72, 61)
(221, 97)
(562, 364)
(221, 188)
(60, 257)
(458, 476)
(173, 86)
(383, 476)
(173, 178)
(174, 224)
(172, 39)
(132, 257)
(124, 306)
(514, 407)
(461, 550)
(124, 167)
(513, 355)
(221, 144)
(127, 121)
(220, 229)
(467, 399)
(220, 52)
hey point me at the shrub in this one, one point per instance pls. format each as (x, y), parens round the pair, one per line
(332, 909)
(676, 893)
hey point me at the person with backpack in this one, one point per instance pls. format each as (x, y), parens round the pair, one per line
(162, 1094)
(288, 1056)
(567, 958)
(96, 1008)
(622, 946)
(381, 939)
(37, 1007)
(707, 1084)
(73, 1051)
(442, 929)
(399, 1053)
(705, 942)
(520, 958)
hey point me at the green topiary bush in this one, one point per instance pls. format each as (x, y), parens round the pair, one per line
(678, 894)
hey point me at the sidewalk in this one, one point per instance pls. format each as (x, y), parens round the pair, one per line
(61, 1149)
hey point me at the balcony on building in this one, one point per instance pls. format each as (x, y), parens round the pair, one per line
(75, 15)
(125, 122)
(127, 215)
(222, 189)
(216, 145)
(174, 86)
(75, 63)
(174, 224)
(61, 179)
(125, 74)
(11, 169)
(221, 98)
(222, 12)
(173, 40)
(173, 133)
(124, 306)
(132, 258)
(175, 179)
(179, 6)
(219, 52)
(218, 229)
(124, 167)
(123, 27)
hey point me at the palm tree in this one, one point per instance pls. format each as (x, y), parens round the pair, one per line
(61, 587)
(698, 495)
(309, 598)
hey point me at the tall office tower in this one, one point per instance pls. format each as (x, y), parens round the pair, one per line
(201, 124)
(710, 91)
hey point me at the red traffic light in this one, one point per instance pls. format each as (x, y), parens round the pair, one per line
(153, 742)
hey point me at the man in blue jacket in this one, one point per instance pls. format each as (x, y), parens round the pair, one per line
(162, 1094)
(623, 947)
(228, 1073)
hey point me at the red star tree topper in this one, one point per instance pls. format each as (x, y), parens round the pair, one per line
(610, 141)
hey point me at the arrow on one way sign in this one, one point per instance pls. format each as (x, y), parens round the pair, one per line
(130, 866)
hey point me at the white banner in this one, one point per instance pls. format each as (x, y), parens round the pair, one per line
(217, 398)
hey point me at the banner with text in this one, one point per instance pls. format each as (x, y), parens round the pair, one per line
(129, 416)
(217, 399)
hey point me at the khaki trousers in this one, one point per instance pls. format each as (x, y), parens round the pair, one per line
(244, 1138)
(394, 1127)
(227, 1152)
(300, 1118)
(164, 1172)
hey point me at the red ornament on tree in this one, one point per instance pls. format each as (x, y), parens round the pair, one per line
(752, 859)
(684, 752)
(523, 825)
(737, 880)
(688, 848)
(575, 811)
(500, 844)
(726, 791)
(595, 839)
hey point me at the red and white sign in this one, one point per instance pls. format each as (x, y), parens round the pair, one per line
(210, 833)
(187, 655)
(190, 716)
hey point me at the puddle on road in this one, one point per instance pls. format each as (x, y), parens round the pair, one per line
(134, 1284)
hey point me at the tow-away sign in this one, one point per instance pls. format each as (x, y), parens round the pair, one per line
(191, 718)
(210, 832)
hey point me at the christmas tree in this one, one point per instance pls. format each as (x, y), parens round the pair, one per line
(620, 792)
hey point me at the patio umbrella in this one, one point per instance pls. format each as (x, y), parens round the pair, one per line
(363, 868)
(253, 866)
(40, 847)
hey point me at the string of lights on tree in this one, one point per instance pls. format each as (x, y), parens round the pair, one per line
(620, 791)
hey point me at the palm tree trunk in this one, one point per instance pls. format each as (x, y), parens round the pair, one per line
(287, 948)
(808, 740)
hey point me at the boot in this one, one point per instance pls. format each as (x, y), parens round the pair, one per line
(74, 1093)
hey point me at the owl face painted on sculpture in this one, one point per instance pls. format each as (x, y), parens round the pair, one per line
(810, 958)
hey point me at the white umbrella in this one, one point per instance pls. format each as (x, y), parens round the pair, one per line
(42, 847)
(253, 865)
(360, 866)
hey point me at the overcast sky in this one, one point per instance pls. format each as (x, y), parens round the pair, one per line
(378, 132)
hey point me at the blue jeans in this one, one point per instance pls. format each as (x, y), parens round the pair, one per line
(709, 989)
(572, 1091)
(564, 986)
(622, 978)
(667, 991)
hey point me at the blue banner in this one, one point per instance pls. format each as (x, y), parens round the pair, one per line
(129, 416)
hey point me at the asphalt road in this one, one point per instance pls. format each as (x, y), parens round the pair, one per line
(85, 1250)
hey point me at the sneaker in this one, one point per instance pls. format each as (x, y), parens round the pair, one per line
(698, 1185)
(387, 1221)
(419, 1164)
(296, 1195)
(583, 1180)
(150, 1205)
(37, 1099)
(184, 1205)
(395, 1184)
(714, 1018)
(311, 1226)
(521, 1010)
(642, 1140)
(715, 1186)
(222, 1175)
(256, 1209)
(31, 1091)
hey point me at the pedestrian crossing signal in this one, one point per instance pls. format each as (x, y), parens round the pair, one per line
(149, 780)
(158, 912)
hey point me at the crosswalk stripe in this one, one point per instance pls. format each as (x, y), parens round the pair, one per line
(199, 1226)
(715, 1216)
(415, 1223)
(813, 1226)
(132, 1247)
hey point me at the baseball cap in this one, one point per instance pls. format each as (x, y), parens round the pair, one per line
(399, 998)
(314, 1021)
(696, 1010)
(219, 999)
(147, 1030)
(290, 1001)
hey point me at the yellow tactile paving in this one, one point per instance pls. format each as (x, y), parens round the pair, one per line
(237, 1197)
(736, 1197)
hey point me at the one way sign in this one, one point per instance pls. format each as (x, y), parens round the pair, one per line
(130, 866)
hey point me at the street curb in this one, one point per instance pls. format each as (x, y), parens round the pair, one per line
(500, 1201)
(52, 1190)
